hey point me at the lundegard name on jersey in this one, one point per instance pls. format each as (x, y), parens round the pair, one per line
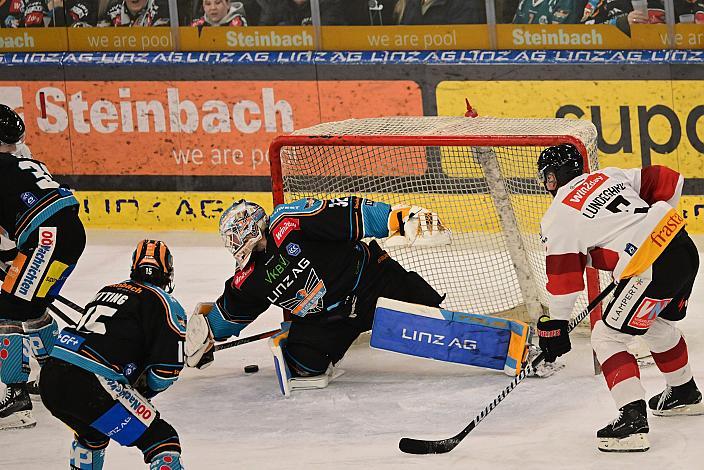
(603, 198)
(284, 228)
(579, 195)
(37, 265)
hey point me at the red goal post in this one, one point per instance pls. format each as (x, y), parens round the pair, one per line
(479, 174)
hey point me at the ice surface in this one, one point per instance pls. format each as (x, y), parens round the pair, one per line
(231, 420)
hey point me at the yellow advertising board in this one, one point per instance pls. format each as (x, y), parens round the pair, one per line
(151, 210)
(33, 39)
(225, 38)
(132, 39)
(404, 38)
(639, 121)
(580, 36)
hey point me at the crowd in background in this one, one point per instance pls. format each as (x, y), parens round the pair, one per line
(622, 13)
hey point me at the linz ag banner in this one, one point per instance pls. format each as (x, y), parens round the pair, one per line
(186, 127)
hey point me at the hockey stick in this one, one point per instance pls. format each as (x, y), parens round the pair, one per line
(420, 446)
(248, 339)
(54, 308)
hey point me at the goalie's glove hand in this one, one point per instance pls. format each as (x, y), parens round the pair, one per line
(553, 337)
(414, 225)
(199, 339)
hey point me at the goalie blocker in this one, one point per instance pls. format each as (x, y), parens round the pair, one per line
(462, 338)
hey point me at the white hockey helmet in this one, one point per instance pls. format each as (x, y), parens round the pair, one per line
(242, 226)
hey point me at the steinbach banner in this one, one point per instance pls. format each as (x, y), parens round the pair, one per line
(186, 127)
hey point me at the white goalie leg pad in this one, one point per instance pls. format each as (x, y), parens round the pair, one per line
(287, 383)
(283, 374)
(199, 338)
(633, 443)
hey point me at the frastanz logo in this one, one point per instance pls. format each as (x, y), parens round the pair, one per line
(440, 340)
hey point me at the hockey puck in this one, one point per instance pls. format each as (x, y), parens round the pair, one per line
(251, 369)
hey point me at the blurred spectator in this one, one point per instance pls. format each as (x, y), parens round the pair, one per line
(222, 13)
(440, 12)
(297, 12)
(11, 13)
(137, 13)
(370, 12)
(76, 13)
(40, 13)
(622, 13)
(549, 11)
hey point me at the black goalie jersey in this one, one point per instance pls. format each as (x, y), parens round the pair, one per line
(313, 262)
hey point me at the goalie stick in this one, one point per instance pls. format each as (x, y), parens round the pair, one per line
(420, 446)
(248, 339)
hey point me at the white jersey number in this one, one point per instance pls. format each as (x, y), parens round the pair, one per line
(91, 320)
(39, 170)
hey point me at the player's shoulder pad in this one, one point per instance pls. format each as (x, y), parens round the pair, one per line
(175, 314)
(302, 207)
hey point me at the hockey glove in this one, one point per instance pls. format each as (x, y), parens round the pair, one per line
(416, 226)
(553, 337)
(199, 338)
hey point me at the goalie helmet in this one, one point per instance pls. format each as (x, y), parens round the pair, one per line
(558, 165)
(242, 226)
(11, 126)
(152, 262)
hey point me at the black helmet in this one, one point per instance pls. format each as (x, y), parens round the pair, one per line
(152, 262)
(11, 126)
(564, 161)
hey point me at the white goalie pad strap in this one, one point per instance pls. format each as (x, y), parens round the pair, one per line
(316, 381)
(199, 338)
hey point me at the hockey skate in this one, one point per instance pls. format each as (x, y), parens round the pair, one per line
(16, 408)
(685, 399)
(544, 369)
(628, 432)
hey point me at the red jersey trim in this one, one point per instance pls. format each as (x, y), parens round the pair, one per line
(658, 183)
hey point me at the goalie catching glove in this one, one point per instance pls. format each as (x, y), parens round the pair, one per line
(416, 226)
(199, 347)
(553, 337)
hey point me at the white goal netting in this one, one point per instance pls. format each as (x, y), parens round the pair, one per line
(478, 174)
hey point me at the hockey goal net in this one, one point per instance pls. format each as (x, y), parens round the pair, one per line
(478, 174)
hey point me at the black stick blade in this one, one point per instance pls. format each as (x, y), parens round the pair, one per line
(419, 446)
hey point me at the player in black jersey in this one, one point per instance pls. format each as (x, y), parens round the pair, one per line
(310, 260)
(40, 217)
(127, 348)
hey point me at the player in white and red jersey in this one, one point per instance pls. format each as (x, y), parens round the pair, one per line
(623, 221)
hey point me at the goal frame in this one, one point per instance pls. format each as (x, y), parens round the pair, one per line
(592, 275)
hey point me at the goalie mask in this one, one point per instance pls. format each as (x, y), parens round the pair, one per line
(558, 165)
(242, 227)
(11, 126)
(152, 262)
